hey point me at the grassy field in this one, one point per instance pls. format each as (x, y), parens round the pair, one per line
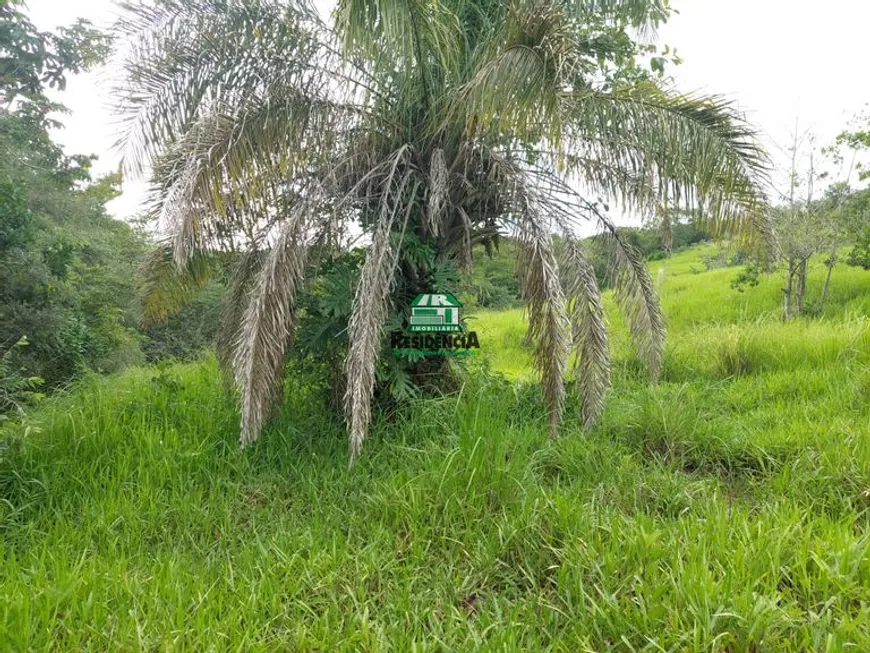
(725, 509)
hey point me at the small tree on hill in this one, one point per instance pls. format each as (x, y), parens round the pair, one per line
(808, 226)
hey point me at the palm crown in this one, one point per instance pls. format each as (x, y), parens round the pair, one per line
(271, 131)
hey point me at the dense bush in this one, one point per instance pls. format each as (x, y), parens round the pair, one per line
(188, 333)
(66, 268)
(493, 281)
(859, 256)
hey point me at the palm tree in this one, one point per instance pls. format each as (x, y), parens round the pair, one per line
(271, 131)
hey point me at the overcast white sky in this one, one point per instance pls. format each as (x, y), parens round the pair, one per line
(778, 59)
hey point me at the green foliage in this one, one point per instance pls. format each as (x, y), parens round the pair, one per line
(648, 241)
(325, 308)
(726, 257)
(806, 229)
(855, 216)
(66, 268)
(492, 282)
(15, 218)
(186, 334)
(31, 61)
(748, 277)
(859, 255)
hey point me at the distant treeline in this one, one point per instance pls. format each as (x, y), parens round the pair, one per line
(493, 283)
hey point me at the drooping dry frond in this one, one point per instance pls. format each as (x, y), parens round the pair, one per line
(540, 287)
(166, 287)
(637, 297)
(371, 302)
(267, 325)
(186, 59)
(548, 323)
(589, 330)
(439, 179)
(232, 171)
(235, 304)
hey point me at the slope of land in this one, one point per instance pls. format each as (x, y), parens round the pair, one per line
(724, 509)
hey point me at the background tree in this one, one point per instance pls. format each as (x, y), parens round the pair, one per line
(855, 214)
(810, 223)
(32, 61)
(431, 127)
(66, 269)
(844, 215)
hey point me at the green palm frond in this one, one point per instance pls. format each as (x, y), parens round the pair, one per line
(694, 149)
(410, 35)
(640, 14)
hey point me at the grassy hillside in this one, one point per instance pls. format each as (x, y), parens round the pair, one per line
(723, 510)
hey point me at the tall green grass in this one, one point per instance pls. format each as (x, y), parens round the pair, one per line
(724, 509)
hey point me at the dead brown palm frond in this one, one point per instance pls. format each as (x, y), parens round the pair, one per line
(179, 215)
(548, 322)
(371, 302)
(235, 304)
(439, 180)
(588, 328)
(206, 176)
(187, 58)
(165, 286)
(540, 286)
(635, 291)
(266, 327)
(636, 296)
